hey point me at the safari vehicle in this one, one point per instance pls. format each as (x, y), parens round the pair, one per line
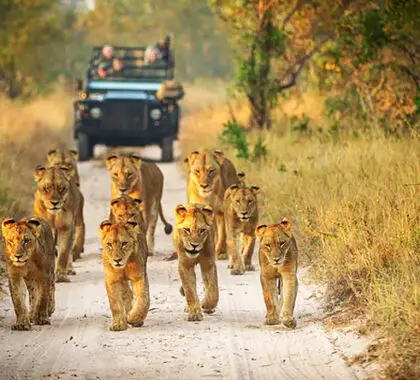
(124, 109)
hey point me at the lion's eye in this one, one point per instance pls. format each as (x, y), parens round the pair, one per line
(46, 189)
(202, 231)
(109, 245)
(115, 175)
(61, 189)
(187, 230)
(282, 243)
(249, 201)
(211, 171)
(129, 175)
(268, 246)
(25, 241)
(10, 242)
(238, 201)
(196, 171)
(124, 244)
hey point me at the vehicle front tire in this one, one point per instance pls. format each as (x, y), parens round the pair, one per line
(85, 147)
(167, 150)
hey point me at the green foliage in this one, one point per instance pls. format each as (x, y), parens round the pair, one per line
(236, 136)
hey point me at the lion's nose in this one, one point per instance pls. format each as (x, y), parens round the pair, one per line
(18, 256)
(277, 259)
(244, 213)
(194, 245)
(123, 189)
(55, 203)
(204, 185)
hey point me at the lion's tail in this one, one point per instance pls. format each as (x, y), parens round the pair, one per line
(168, 226)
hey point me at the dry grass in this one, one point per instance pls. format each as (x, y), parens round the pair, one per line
(27, 132)
(356, 205)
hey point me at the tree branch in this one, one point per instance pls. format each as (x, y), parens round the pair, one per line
(291, 13)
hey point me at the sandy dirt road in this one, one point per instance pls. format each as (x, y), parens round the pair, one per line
(230, 344)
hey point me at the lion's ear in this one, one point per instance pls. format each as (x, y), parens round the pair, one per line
(104, 227)
(39, 172)
(7, 224)
(192, 157)
(110, 161)
(139, 203)
(133, 226)
(180, 212)
(74, 153)
(115, 201)
(208, 215)
(230, 190)
(219, 156)
(259, 231)
(51, 152)
(255, 189)
(285, 224)
(136, 160)
(35, 226)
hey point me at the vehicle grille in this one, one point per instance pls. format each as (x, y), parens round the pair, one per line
(124, 115)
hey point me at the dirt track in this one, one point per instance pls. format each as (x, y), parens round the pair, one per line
(230, 344)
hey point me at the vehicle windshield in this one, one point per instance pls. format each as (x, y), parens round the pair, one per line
(127, 64)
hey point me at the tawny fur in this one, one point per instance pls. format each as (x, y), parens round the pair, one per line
(30, 263)
(124, 258)
(143, 180)
(59, 201)
(241, 218)
(126, 209)
(209, 175)
(194, 242)
(278, 261)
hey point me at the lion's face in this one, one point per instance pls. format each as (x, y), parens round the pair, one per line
(20, 239)
(193, 223)
(124, 171)
(244, 200)
(53, 185)
(119, 242)
(125, 208)
(66, 159)
(204, 170)
(275, 241)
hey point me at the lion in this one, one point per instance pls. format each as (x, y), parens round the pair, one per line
(143, 180)
(124, 258)
(278, 261)
(241, 218)
(126, 209)
(65, 158)
(60, 202)
(30, 261)
(194, 242)
(209, 175)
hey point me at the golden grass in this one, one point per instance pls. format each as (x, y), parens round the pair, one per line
(356, 206)
(27, 132)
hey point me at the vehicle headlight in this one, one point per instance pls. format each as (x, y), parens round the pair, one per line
(95, 112)
(155, 114)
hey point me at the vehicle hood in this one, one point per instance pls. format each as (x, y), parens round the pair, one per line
(106, 90)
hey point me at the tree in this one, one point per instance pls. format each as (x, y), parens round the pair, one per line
(274, 42)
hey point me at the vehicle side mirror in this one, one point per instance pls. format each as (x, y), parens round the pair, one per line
(79, 84)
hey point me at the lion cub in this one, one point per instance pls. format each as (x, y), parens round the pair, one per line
(241, 218)
(30, 261)
(131, 176)
(124, 258)
(194, 242)
(60, 202)
(278, 262)
(127, 209)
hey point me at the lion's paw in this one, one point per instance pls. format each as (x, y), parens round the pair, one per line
(289, 323)
(21, 326)
(41, 321)
(237, 271)
(71, 272)
(271, 320)
(221, 256)
(250, 268)
(61, 277)
(195, 316)
(209, 311)
(133, 320)
(118, 326)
